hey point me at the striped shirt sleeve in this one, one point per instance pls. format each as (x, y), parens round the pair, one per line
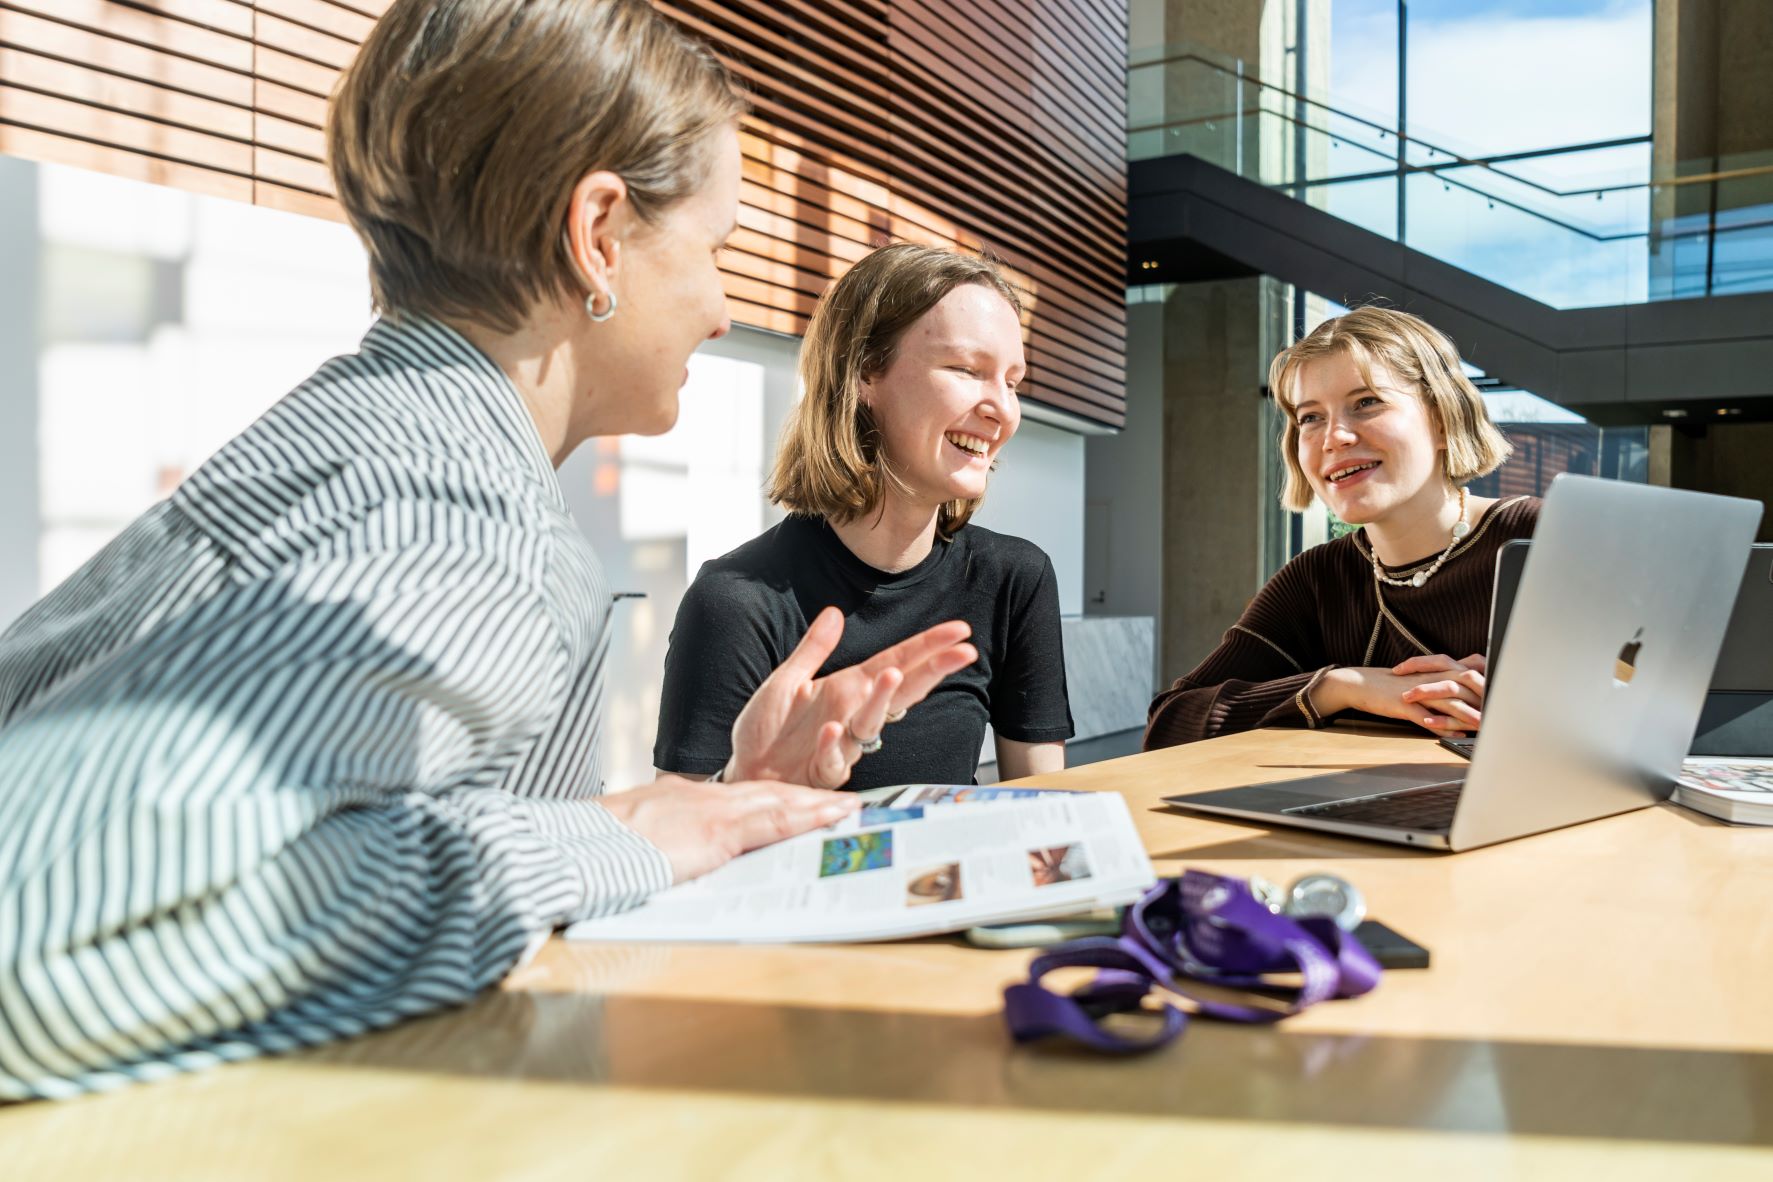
(273, 817)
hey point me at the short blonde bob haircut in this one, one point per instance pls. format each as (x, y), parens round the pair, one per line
(831, 463)
(1422, 359)
(457, 136)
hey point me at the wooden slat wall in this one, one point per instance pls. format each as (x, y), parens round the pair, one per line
(990, 125)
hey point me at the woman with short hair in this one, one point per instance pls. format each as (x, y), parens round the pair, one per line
(312, 747)
(1384, 427)
(910, 367)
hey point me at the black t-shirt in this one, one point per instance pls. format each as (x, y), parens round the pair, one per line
(747, 610)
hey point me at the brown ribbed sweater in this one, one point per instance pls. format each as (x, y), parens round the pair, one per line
(1320, 612)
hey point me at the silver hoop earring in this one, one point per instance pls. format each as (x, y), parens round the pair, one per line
(591, 307)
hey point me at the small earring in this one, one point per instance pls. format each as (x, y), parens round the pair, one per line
(591, 307)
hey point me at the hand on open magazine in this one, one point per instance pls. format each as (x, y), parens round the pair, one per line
(889, 873)
(701, 826)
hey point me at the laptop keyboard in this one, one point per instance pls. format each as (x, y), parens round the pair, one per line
(1428, 808)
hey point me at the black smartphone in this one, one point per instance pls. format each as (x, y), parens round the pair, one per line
(1464, 748)
(1391, 950)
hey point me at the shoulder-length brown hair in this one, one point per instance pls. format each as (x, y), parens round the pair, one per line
(457, 135)
(1418, 355)
(831, 463)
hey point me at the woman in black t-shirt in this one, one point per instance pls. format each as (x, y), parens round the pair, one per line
(910, 366)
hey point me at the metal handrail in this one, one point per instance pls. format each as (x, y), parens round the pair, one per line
(1453, 162)
(1455, 159)
(1455, 182)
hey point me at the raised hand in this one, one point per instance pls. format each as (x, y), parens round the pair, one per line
(805, 729)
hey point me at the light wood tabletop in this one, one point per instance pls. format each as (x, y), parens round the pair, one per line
(1601, 998)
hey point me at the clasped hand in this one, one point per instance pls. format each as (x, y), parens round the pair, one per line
(1436, 692)
(1447, 695)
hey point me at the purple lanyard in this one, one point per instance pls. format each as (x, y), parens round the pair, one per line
(1200, 927)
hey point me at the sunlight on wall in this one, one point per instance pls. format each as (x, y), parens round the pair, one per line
(700, 481)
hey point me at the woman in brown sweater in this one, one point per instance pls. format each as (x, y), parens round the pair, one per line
(1383, 427)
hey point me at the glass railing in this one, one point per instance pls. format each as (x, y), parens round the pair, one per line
(1576, 226)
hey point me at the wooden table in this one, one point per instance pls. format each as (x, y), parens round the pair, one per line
(1601, 1000)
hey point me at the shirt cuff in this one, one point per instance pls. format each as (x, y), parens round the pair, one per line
(689, 765)
(615, 866)
(1056, 733)
(1302, 700)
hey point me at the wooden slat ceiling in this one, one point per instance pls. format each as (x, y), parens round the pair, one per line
(994, 126)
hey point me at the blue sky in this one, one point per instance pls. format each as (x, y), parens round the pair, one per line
(1494, 76)
(1519, 8)
(1500, 75)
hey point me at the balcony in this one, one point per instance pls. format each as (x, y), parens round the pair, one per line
(1630, 290)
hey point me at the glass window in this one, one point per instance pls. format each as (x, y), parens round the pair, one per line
(1363, 59)
(170, 322)
(1503, 76)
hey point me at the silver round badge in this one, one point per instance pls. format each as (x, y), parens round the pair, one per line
(1267, 893)
(1329, 895)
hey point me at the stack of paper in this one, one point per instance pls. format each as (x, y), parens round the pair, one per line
(1732, 789)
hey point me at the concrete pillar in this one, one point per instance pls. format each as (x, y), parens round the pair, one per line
(1730, 459)
(1734, 462)
(1213, 455)
(1180, 523)
(20, 343)
(1712, 105)
(1229, 27)
(1712, 91)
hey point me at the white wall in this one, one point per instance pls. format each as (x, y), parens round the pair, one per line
(1123, 575)
(171, 322)
(19, 250)
(1037, 493)
(656, 508)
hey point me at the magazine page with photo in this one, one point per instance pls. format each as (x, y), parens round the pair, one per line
(920, 860)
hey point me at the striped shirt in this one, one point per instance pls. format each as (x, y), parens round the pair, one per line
(311, 747)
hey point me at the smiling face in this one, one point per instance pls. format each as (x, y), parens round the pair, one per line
(1367, 449)
(946, 403)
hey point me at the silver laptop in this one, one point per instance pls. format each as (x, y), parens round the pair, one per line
(1609, 651)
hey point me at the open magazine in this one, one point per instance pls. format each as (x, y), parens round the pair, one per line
(915, 861)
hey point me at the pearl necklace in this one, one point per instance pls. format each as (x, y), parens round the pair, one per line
(1460, 529)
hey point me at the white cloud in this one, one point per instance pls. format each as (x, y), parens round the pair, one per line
(1508, 83)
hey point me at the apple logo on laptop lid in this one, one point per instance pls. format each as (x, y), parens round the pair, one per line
(1626, 667)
